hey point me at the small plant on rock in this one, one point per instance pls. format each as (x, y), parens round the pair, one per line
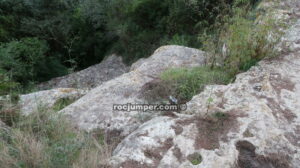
(195, 158)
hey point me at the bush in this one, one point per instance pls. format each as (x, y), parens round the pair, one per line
(242, 43)
(26, 60)
(75, 31)
(7, 86)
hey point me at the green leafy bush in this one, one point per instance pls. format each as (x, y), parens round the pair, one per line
(26, 60)
(75, 31)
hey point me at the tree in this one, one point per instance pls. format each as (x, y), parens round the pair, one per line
(26, 60)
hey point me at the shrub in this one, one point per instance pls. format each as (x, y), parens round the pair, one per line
(75, 31)
(242, 42)
(249, 43)
(26, 60)
(7, 86)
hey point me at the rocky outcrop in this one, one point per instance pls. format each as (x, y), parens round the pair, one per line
(48, 99)
(91, 77)
(253, 122)
(95, 110)
(2, 124)
(261, 108)
(162, 141)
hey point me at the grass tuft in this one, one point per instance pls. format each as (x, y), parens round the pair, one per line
(188, 82)
(47, 139)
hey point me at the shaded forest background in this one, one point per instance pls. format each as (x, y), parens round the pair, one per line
(42, 39)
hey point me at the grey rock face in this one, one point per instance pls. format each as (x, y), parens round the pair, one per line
(47, 99)
(255, 124)
(267, 117)
(95, 110)
(160, 142)
(91, 77)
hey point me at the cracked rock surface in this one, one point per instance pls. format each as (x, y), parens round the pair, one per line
(95, 109)
(260, 127)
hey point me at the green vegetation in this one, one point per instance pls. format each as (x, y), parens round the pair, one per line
(195, 158)
(220, 115)
(234, 44)
(140, 30)
(189, 82)
(242, 42)
(6, 85)
(26, 60)
(41, 40)
(62, 103)
(46, 139)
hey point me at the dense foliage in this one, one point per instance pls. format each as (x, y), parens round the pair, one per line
(234, 43)
(41, 39)
(142, 26)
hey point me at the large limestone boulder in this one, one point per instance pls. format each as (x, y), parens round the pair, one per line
(48, 99)
(160, 142)
(253, 122)
(95, 110)
(91, 77)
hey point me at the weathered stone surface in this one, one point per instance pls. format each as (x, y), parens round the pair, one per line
(264, 104)
(46, 99)
(91, 77)
(95, 110)
(160, 141)
(170, 141)
(137, 64)
(2, 124)
(252, 122)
